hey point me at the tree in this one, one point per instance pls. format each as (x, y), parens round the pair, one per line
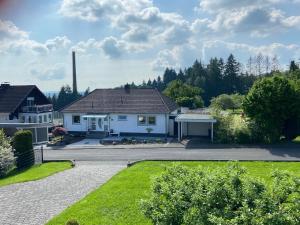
(226, 101)
(184, 95)
(169, 76)
(273, 104)
(293, 66)
(227, 196)
(87, 91)
(7, 159)
(231, 73)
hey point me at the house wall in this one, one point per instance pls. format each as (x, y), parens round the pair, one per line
(196, 129)
(131, 124)
(128, 126)
(4, 118)
(68, 123)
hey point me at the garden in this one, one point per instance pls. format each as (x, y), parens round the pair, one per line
(153, 192)
(17, 163)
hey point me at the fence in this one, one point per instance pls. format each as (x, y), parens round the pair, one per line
(39, 155)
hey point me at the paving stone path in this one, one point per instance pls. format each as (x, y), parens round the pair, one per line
(36, 202)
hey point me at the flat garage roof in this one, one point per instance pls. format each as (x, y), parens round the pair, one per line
(194, 117)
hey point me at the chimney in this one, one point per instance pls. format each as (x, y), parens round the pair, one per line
(5, 85)
(74, 73)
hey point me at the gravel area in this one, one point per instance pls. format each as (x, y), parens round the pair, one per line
(36, 202)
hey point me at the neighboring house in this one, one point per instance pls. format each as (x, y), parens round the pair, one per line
(126, 111)
(25, 107)
(122, 111)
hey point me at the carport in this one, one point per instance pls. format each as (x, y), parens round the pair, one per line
(197, 125)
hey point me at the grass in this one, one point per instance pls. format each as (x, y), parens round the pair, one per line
(297, 140)
(117, 201)
(35, 172)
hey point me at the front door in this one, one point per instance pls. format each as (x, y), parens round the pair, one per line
(92, 124)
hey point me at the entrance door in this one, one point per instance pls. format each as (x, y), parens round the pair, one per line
(93, 124)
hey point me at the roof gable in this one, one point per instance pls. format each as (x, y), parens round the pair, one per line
(12, 96)
(122, 101)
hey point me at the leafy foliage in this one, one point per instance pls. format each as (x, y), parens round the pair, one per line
(228, 196)
(184, 95)
(225, 101)
(22, 143)
(273, 104)
(7, 159)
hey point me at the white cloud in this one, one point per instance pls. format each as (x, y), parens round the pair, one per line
(94, 10)
(166, 58)
(55, 72)
(58, 42)
(8, 30)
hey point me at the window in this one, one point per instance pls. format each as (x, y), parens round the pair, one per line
(76, 119)
(45, 118)
(151, 120)
(50, 118)
(40, 119)
(142, 120)
(30, 101)
(122, 118)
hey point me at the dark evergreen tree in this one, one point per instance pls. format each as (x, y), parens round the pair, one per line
(293, 66)
(169, 75)
(231, 73)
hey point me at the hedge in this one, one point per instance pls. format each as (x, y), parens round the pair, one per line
(22, 143)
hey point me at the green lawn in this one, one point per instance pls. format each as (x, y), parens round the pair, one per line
(117, 201)
(35, 172)
(297, 140)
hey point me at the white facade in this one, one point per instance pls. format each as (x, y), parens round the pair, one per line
(118, 123)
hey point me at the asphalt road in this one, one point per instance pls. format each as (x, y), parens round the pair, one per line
(271, 154)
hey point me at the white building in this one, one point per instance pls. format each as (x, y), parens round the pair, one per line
(25, 107)
(126, 111)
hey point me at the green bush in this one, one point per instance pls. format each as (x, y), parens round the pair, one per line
(7, 159)
(22, 143)
(203, 196)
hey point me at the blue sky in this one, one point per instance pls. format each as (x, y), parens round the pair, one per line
(119, 41)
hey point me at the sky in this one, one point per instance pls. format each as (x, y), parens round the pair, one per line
(120, 41)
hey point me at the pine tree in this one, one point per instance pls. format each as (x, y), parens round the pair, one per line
(231, 73)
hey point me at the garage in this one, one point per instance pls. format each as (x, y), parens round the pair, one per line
(195, 125)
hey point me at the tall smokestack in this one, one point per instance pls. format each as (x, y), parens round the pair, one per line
(74, 73)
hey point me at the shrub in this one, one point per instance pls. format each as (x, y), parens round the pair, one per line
(72, 222)
(199, 196)
(7, 159)
(22, 143)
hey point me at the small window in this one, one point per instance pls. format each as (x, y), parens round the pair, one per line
(141, 120)
(76, 119)
(45, 118)
(122, 117)
(50, 118)
(151, 120)
(40, 119)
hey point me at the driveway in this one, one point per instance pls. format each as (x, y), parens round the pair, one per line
(135, 154)
(36, 202)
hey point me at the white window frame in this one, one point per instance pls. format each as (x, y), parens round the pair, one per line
(122, 119)
(73, 116)
(154, 121)
(138, 121)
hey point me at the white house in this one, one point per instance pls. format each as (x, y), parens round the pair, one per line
(122, 111)
(126, 111)
(25, 107)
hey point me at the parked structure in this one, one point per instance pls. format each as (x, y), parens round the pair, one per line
(25, 107)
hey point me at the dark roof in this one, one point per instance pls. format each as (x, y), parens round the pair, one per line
(12, 96)
(121, 101)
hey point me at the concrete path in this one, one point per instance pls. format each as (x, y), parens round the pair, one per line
(36, 202)
(254, 153)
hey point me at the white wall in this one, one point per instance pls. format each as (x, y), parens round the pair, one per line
(129, 126)
(68, 123)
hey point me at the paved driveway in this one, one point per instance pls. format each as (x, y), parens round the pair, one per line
(277, 154)
(36, 202)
